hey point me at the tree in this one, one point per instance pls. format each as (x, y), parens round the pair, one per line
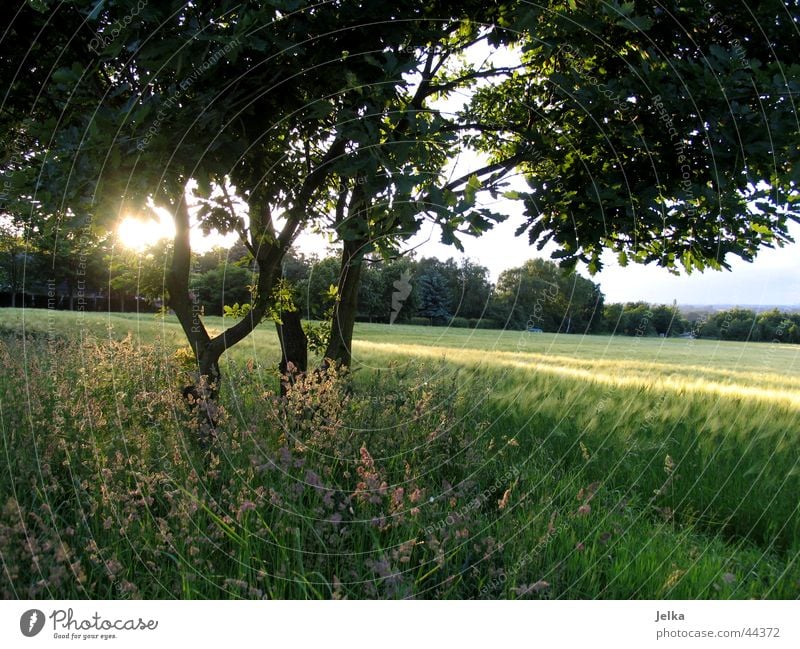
(638, 131)
(667, 321)
(636, 320)
(773, 325)
(634, 125)
(125, 108)
(732, 324)
(612, 317)
(433, 297)
(473, 290)
(540, 294)
(226, 284)
(655, 134)
(16, 256)
(313, 301)
(371, 299)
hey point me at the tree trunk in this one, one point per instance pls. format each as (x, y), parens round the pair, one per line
(344, 313)
(294, 348)
(268, 251)
(187, 310)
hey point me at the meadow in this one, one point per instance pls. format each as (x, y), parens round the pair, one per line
(448, 463)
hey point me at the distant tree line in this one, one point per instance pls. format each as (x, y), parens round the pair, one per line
(430, 291)
(643, 319)
(539, 295)
(746, 324)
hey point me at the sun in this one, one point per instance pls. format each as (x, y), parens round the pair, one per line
(137, 234)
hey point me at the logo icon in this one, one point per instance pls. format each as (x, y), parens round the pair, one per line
(403, 286)
(31, 622)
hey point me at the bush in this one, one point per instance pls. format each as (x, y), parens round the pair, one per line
(459, 322)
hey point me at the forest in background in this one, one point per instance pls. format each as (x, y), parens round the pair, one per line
(403, 290)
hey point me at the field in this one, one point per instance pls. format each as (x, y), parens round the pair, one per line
(448, 463)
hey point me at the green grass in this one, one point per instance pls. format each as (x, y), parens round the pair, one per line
(450, 463)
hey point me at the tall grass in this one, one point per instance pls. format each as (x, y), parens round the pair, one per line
(417, 478)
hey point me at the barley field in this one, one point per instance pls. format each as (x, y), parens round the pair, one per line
(449, 463)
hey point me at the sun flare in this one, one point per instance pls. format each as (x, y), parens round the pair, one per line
(137, 234)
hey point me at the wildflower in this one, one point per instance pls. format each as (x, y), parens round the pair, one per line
(285, 458)
(536, 587)
(397, 497)
(337, 589)
(503, 502)
(313, 480)
(380, 567)
(113, 567)
(62, 552)
(586, 494)
(551, 528)
(674, 578)
(666, 513)
(128, 588)
(403, 552)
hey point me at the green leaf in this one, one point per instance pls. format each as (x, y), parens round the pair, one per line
(472, 188)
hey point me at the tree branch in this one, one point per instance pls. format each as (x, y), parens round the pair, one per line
(504, 166)
(269, 264)
(240, 229)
